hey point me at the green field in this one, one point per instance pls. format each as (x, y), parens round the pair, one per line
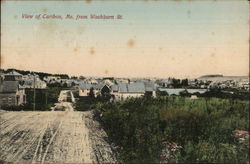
(204, 128)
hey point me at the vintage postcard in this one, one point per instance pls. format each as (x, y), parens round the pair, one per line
(124, 81)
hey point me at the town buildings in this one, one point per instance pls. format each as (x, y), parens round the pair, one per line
(13, 85)
(11, 93)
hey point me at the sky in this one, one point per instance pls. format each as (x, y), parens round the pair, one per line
(153, 39)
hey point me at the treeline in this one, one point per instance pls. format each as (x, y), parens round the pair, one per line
(227, 94)
(40, 74)
(202, 128)
(215, 92)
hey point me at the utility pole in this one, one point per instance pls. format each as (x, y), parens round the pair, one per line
(34, 91)
(46, 96)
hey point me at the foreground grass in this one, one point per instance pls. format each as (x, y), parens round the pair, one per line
(203, 128)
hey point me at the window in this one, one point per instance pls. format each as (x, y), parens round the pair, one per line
(9, 99)
(4, 100)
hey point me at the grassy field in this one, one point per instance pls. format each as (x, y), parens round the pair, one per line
(202, 129)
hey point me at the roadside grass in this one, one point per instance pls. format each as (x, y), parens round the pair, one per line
(202, 127)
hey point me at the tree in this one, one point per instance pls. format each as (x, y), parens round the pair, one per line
(91, 93)
(184, 93)
(161, 93)
(65, 85)
(176, 83)
(82, 77)
(74, 77)
(184, 82)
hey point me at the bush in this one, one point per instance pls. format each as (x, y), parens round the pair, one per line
(203, 127)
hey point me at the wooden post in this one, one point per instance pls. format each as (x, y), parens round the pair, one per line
(46, 96)
(34, 96)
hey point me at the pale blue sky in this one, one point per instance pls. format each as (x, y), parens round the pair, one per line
(182, 39)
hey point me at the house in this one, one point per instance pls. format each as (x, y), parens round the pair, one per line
(122, 80)
(29, 76)
(51, 78)
(122, 91)
(13, 76)
(108, 82)
(168, 83)
(91, 81)
(150, 89)
(114, 89)
(11, 94)
(105, 89)
(126, 90)
(84, 89)
(193, 97)
(34, 83)
(70, 83)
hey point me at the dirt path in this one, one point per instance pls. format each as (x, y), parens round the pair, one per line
(54, 137)
(102, 152)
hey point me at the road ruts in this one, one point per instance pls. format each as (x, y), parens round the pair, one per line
(52, 137)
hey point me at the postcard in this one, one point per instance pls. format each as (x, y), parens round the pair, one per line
(124, 81)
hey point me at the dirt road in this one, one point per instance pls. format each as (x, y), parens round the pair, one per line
(66, 95)
(53, 137)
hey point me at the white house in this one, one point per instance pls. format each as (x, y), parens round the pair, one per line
(34, 83)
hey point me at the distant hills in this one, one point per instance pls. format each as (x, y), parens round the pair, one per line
(209, 76)
(40, 74)
(219, 77)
